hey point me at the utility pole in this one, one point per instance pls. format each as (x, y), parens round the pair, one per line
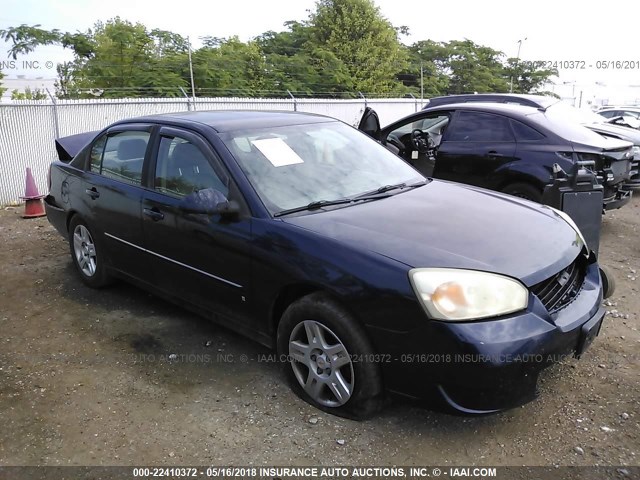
(193, 85)
(421, 79)
(421, 83)
(517, 61)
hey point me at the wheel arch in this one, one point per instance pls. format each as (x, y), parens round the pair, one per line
(285, 297)
(294, 292)
(70, 215)
(509, 178)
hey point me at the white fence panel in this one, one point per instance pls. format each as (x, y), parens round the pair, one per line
(75, 117)
(27, 134)
(244, 104)
(391, 110)
(28, 128)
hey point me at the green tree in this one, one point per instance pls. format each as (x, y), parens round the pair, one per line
(432, 57)
(475, 68)
(123, 57)
(365, 42)
(527, 77)
(229, 67)
(465, 67)
(118, 57)
(294, 63)
(24, 38)
(2, 90)
(65, 84)
(344, 47)
(29, 94)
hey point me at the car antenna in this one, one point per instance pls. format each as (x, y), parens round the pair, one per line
(544, 109)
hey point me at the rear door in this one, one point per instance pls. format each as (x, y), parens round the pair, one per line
(473, 147)
(203, 259)
(113, 191)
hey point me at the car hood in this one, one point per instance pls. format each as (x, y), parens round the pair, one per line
(450, 225)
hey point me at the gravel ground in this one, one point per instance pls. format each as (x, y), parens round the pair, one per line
(119, 377)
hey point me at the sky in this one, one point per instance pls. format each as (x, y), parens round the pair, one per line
(586, 33)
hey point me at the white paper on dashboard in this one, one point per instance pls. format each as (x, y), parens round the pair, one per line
(277, 152)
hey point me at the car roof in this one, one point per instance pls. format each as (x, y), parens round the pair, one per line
(538, 101)
(503, 108)
(230, 120)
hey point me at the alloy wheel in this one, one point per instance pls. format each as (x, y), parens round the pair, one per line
(85, 250)
(321, 363)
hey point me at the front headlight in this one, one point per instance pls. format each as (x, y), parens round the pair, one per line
(572, 224)
(636, 152)
(456, 295)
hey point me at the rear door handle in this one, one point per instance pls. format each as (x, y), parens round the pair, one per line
(92, 192)
(494, 154)
(153, 213)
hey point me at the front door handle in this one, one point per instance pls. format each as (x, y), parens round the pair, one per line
(92, 192)
(494, 154)
(153, 213)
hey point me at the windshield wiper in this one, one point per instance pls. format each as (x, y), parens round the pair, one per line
(314, 206)
(388, 188)
(377, 194)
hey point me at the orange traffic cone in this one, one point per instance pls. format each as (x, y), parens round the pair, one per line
(33, 206)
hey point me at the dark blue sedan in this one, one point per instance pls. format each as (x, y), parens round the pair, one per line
(310, 237)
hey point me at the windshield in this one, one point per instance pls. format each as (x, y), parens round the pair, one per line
(296, 165)
(564, 112)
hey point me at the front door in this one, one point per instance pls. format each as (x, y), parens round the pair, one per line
(418, 138)
(201, 258)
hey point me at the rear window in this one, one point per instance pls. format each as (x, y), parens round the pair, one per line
(564, 128)
(120, 156)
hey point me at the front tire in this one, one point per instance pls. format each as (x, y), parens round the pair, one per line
(330, 362)
(87, 256)
(524, 190)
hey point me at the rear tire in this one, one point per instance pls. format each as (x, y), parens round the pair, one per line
(608, 281)
(86, 252)
(524, 190)
(328, 358)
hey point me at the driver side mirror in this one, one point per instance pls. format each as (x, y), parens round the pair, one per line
(229, 209)
(210, 201)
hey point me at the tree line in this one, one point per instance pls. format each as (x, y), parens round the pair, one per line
(344, 48)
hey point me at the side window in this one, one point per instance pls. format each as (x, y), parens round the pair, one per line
(96, 154)
(182, 168)
(524, 133)
(123, 156)
(434, 124)
(479, 127)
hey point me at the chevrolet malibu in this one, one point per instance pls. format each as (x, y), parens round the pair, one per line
(311, 238)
